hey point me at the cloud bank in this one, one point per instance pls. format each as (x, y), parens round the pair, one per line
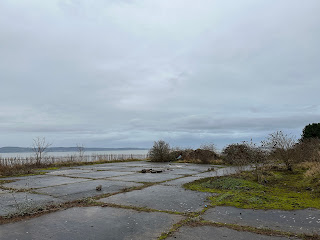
(127, 73)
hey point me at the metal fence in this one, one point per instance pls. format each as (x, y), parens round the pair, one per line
(11, 161)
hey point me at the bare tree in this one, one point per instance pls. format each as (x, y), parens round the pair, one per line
(81, 151)
(39, 147)
(281, 147)
(209, 146)
(257, 158)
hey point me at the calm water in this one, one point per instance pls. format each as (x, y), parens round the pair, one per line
(65, 154)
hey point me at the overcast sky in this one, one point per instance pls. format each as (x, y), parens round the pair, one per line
(124, 73)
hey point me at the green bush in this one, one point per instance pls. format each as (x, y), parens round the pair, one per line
(160, 152)
(311, 131)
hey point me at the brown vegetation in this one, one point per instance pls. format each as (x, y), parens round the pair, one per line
(197, 156)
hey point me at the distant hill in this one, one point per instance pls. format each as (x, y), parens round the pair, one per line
(63, 149)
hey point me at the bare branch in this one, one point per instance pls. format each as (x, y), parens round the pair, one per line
(39, 147)
(81, 151)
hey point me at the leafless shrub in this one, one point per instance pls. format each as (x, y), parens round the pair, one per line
(246, 153)
(39, 147)
(237, 154)
(81, 151)
(308, 150)
(209, 146)
(205, 155)
(282, 148)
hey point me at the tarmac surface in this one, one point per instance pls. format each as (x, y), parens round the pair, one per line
(132, 210)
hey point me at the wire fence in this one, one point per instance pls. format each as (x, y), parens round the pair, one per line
(11, 161)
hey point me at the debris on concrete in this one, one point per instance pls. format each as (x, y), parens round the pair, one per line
(152, 170)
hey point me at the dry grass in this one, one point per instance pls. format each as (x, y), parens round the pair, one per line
(313, 169)
(19, 169)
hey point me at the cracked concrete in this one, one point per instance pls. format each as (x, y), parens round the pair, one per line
(116, 222)
(91, 223)
(218, 233)
(299, 221)
(167, 198)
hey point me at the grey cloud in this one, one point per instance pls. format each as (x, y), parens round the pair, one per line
(118, 73)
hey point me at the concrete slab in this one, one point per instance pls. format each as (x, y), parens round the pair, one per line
(162, 198)
(110, 165)
(170, 169)
(133, 163)
(299, 221)
(138, 166)
(222, 172)
(193, 167)
(99, 174)
(147, 165)
(143, 163)
(3, 191)
(147, 177)
(218, 233)
(190, 166)
(41, 181)
(182, 171)
(81, 190)
(122, 169)
(91, 223)
(68, 171)
(179, 182)
(11, 203)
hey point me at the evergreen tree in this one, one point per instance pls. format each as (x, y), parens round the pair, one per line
(311, 131)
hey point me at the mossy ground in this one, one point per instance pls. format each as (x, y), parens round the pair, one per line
(280, 189)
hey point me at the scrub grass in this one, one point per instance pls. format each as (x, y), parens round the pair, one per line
(280, 189)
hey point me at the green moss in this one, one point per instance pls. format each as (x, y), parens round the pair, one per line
(173, 229)
(47, 169)
(281, 190)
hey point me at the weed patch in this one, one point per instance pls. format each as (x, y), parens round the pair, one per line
(285, 190)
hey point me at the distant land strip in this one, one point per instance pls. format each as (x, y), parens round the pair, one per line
(63, 149)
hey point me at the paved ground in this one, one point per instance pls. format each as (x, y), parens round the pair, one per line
(209, 232)
(299, 221)
(135, 214)
(92, 223)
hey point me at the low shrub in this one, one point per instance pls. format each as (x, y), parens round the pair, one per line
(161, 152)
(199, 155)
(308, 150)
(243, 154)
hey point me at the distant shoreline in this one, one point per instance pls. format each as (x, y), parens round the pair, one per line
(63, 149)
